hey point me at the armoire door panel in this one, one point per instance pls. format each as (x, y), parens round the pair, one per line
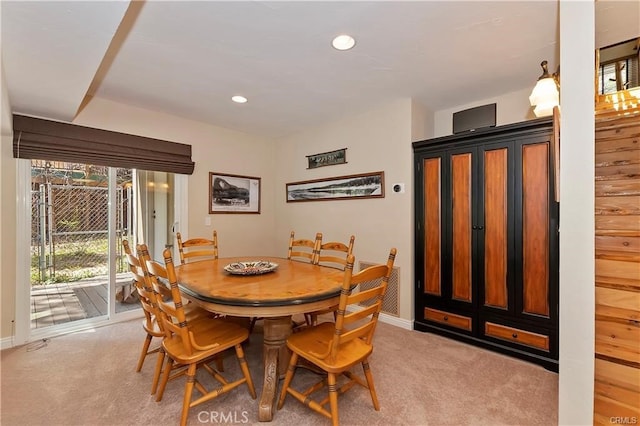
(462, 226)
(432, 226)
(535, 228)
(495, 228)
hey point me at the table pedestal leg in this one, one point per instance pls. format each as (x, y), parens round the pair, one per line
(276, 358)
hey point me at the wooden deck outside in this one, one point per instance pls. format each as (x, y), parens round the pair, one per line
(54, 304)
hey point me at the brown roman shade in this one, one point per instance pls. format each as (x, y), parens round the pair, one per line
(36, 138)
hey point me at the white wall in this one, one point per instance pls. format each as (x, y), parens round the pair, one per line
(377, 140)
(422, 125)
(577, 207)
(214, 149)
(7, 215)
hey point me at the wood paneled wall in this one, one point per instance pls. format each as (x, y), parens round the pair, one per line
(617, 268)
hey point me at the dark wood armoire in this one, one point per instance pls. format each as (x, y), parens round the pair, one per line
(486, 239)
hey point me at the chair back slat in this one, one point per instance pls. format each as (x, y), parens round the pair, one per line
(365, 329)
(151, 295)
(195, 249)
(360, 322)
(359, 314)
(334, 253)
(304, 250)
(363, 295)
(162, 292)
(138, 272)
(173, 316)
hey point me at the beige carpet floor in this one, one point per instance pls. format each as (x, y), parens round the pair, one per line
(88, 378)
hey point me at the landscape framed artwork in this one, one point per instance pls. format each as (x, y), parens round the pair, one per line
(366, 185)
(233, 193)
(339, 156)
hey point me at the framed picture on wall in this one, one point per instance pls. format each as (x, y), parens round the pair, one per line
(233, 193)
(365, 185)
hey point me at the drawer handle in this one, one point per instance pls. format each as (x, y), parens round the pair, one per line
(514, 335)
(446, 318)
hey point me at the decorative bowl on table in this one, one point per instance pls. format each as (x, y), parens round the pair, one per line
(251, 267)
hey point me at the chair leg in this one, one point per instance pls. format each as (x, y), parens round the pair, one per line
(158, 370)
(372, 389)
(252, 324)
(245, 370)
(143, 353)
(165, 378)
(220, 362)
(188, 389)
(333, 397)
(309, 319)
(287, 378)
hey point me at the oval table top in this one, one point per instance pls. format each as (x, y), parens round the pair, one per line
(293, 285)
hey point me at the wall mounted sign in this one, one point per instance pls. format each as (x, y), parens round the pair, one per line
(330, 158)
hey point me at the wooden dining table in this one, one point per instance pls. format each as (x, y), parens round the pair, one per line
(292, 288)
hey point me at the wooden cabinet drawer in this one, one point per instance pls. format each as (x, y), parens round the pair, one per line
(526, 338)
(453, 320)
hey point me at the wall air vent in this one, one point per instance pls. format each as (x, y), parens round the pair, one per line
(391, 302)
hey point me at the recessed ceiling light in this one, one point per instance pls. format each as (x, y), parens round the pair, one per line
(343, 42)
(239, 99)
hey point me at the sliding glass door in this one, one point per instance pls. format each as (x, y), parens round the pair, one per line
(79, 215)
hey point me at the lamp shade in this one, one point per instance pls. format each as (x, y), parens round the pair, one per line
(544, 97)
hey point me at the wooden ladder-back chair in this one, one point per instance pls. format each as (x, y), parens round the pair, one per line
(147, 301)
(195, 249)
(193, 344)
(150, 294)
(337, 347)
(304, 250)
(332, 254)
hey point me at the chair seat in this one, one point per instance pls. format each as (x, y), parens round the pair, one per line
(215, 334)
(313, 341)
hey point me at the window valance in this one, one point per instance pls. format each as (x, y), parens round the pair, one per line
(36, 138)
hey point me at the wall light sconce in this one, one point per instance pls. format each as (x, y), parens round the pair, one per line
(546, 94)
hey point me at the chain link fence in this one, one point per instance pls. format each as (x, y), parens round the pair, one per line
(70, 222)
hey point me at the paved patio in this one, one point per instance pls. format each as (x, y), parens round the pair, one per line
(53, 304)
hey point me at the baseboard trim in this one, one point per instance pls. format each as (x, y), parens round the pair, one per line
(6, 343)
(398, 322)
